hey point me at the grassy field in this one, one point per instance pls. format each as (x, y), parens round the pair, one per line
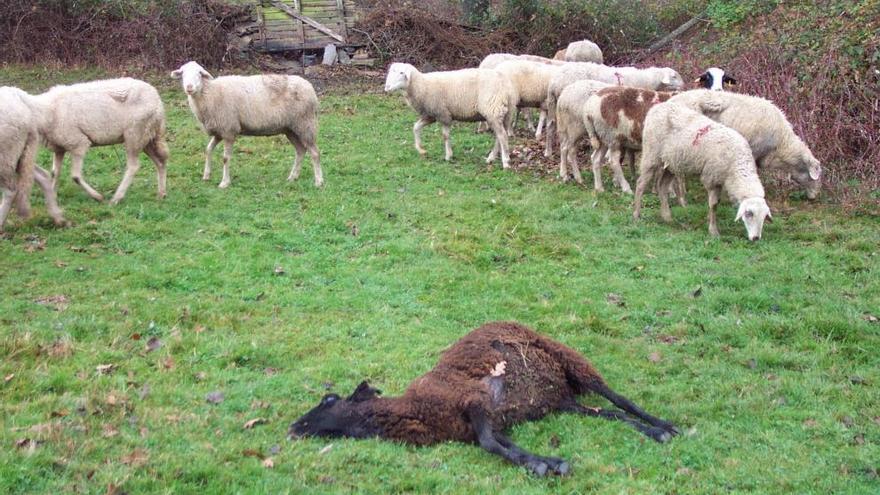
(115, 332)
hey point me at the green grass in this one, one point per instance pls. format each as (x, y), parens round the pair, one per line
(758, 369)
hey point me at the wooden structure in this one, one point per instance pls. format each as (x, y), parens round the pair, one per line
(304, 24)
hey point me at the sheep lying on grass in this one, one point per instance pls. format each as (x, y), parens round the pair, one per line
(19, 140)
(468, 95)
(773, 141)
(498, 375)
(99, 113)
(678, 141)
(265, 105)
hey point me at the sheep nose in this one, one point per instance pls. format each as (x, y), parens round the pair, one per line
(188, 89)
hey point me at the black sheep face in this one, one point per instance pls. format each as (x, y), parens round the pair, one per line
(337, 417)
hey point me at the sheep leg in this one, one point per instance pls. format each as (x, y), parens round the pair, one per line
(563, 156)
(44, 180)
(713, 198)
(542, 118)
(681, 191)
(598, 155)
(656, 433)
(628, 406)
(158, 152)
(297, 161)
(76, 165)
(227, 157)
(57, 162)
(573, 161)
(132, 164)
(646, 177)
(500, 141)
(446, 146)
(663, 191)
(316, 163)
(615, 163)
(417, 133)
(497, 444)
(5, 205)
(529, 124)
(206, 175)
(548, 140)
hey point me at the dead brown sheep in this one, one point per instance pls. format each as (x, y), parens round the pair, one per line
(498, 375)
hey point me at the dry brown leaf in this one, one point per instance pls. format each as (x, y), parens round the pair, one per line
(615, 299)
(268, 463)
(59, 413)
(199, 328)
(60, 264)
(108, 430)
(105, 369)
(35, 244)
(135, 336)
(260, 404)
(810, 423)
(252, 453)
(215, 397)
(325, 449)
(655, 357)
(57, 302)
(870, 318)
(168, 363)
(253, 422)
(8, 378)
(137, 458)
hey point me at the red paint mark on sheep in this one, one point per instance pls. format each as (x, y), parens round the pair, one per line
(702, 132)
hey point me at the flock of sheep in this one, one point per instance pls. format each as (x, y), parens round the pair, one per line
(72, 119)
(721, 137)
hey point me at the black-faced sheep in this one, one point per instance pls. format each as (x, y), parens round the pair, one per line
(715, 79)
(498, 375)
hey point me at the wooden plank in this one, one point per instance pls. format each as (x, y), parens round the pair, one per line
(307, 20)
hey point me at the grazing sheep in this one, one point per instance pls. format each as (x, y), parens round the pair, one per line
(656, 78)
(583, 51)
(570, 123)
(100, 113)
(773, 141)
(19, 141)
(715, 79)
(613, 119)
(264, 105)
(467, 95)
(496, 376)
(530, 79)
(679, 141)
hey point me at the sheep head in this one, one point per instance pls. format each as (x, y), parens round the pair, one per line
(398, 77)
(192, 76)
(753, 211)
(671, 80)
(338, 417)
(808, 175)
(715, 79)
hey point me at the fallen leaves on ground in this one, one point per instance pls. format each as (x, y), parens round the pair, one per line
(268, 463)
(105, 369)
(137, 458)
(153, 344)
(655, 357)
(326, 449)
(254, 422)
(215, 397)
(615, 299)
(8, 378)
(57, 302)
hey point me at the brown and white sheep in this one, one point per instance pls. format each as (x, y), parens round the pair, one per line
(496, 376)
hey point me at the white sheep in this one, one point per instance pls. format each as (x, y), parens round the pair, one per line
(19, 141)
(493, 60)
(583, 51)
(531, 80)
(263, 105)
(613, 119)
(771, 137)
(678, 141)
(100, 113)
(715, 79)
(570, 123)
(656, 78)
(467, 95)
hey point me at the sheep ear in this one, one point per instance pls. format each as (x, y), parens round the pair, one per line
(739, 212)
(176, 74)
(701, 79)
(769, 218)
(815, 170)
(364, 392)
(205, 74)
(728, 80)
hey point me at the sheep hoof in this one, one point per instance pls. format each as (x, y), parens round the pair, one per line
(223, 185)
(659, 434)
(319, 183)
(538, 467)
(563, 468)
(115, 201)
(61, 223)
